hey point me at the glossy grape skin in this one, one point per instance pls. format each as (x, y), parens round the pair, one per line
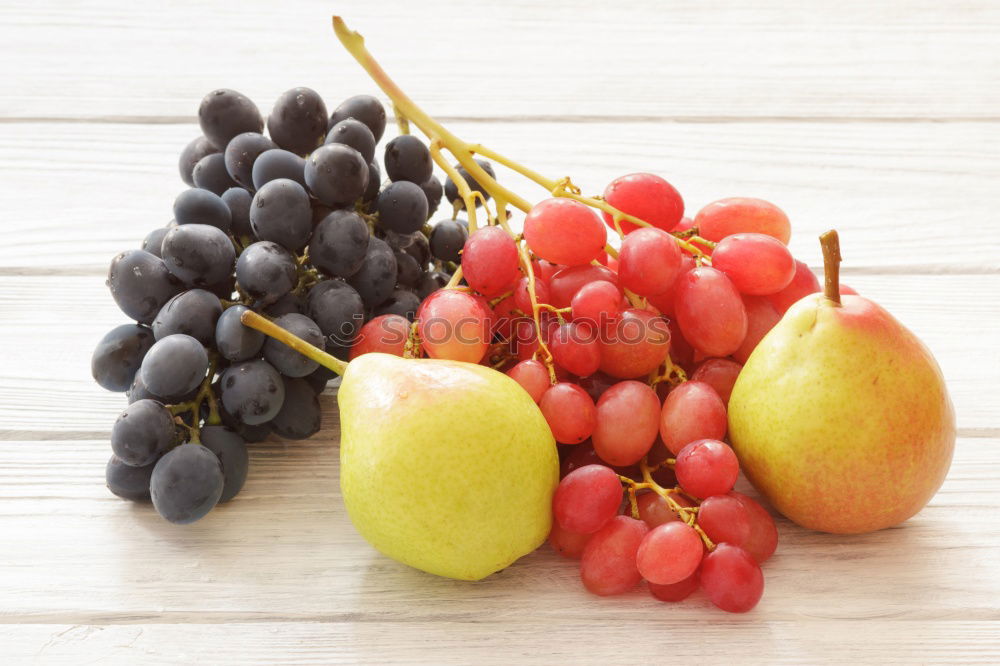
(235, 341)
(198, 206)
(532, 376)
(691, 411)
(353, 133)
(757, 264)
(286, 360)
(597, 303)
(451, 190)
(118, 356)
(142, 433)
(655, 511)
(414, 244)
(386, 334)
(250, 433)
(138, 391)
(240, 154)
(433, 190)
(278, 163)
(365, 108)
(452, 325)
(664, 301)
(447, 240)
(153, 241)
(628, 420)
(724, 518)
(252, 391)
(564, 231)
(126, 481)
(231, 450)
(376, 278)
(408, 271)
(338, 310)
(337, 175)
(140, 284)
(669, 553)
(608, 565)
(196, 149)
(763, 538)
(430, 282)
(731, 578)
(719, 373)
(339, 243)
(298, 121)
(174, 366)
(401, 302)
(210, 174)
(407, 158)
(522, 299)
(193, 312)
(280, 212)
(710, 311)
(803, 283)
(186, 483)
(489, 261)
(675, 592)
(649, 261)
(761, 318)
(199, 254)
(266, 271)
(566, 282)
(224, 113)
(569, 411)
(635, 345)
(402, 207)
(647, 197)
(706, 467)
(566, 543)
(740, 215)
(587, 498)
(299, 416)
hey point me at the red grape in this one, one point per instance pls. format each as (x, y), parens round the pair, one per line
(664, 301)
(489, 261)
(654, 510)
(756, 264)
(741, 214)
(636, 345)
(669, 553)
(733, 581)
(386, 334)
(691, 411)
(761, 318)
(649, 261)
(685, 224)
(608, 564)
(628, 419)
(574, 347)
(453, 325)
(523, 300)
(504, 317)
(566, 543)
(681, 350)
(565, 283)
(523, 338)
(803, 284)
(564, 231)
(763, 539)
(675, 591)
(707, 467)
(587, 498)
(596, 384)
(597, 303)
(569, 411)
(544, 270)
(647, 197)
(710, 311)
(720, 373)
(724, 518)
(532, 376)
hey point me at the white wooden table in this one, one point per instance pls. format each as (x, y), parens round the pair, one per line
(878, 118)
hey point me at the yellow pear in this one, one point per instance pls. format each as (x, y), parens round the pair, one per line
(840, 416)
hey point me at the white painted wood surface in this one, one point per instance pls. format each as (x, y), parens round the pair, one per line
(877, 118)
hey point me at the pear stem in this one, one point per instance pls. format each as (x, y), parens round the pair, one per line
(830, 242)
(253, 320)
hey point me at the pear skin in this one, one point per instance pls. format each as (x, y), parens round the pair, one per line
(448, 467)
(841, 418)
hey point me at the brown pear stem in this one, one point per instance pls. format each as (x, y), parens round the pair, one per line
(830, 242)
(270, 329)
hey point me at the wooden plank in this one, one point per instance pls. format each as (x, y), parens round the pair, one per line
(853, 59)
(52, 323)
(906, 197)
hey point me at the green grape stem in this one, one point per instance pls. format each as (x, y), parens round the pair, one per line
(253, 320)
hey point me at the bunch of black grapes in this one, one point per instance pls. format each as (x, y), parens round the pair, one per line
(293, 223)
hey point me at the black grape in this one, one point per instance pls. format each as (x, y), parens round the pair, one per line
(249, 433)
(231, 450)
(402, 207)
(281, 212)
(290, 302)
(447, 240)
(365, 108)
(225, 113)
(119, 355)
(318, 378)
(153, 241)
(451, 190)
(374, 182)
(286, 360)
(408, 271)
(298, 120)
(299, 417)
(377, 276)
(266, 271)
(186, 483)
(355, 134)
(143, 432)
(193, 312)
(198, 254)
(240, 154)
(338, 310)
(238, 201)
(174, 366)
(431, 282)
(277, 163)
(140, 284)
(402, 302)
(336, 174)
(407, 158)
(210, 174)
(198, 148)
(433, 191)
(235, 341)
(198, 206)
(339, 243)
(126, 481)
(414, 244)
(252, 391)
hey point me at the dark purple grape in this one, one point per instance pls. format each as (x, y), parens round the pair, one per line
(240, 154)
(365, 108)
(231, 450)
(336, 174)
(431, 282)
(186, 483)
(286, 360)
(235, 341)
(198, 148)
(252, 391)
(407, 158)
(126, 481)
(402, 302)
(298, 121)
(198, 206)
(174, 366)
(353, 133)
(447, 240)
(153, 242)
(238, 200)
(451, 190)
(299, 417)
(199, 254)
(143, 432)
(376, 278)
(338, 310)
(402, 207)
(281, 212)
(266, 271)
(339, 243)
(140, 284)
(119, 354)
(193, 312)
(210, 174)
(278, 163)
(225, 113)
(433, 191)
